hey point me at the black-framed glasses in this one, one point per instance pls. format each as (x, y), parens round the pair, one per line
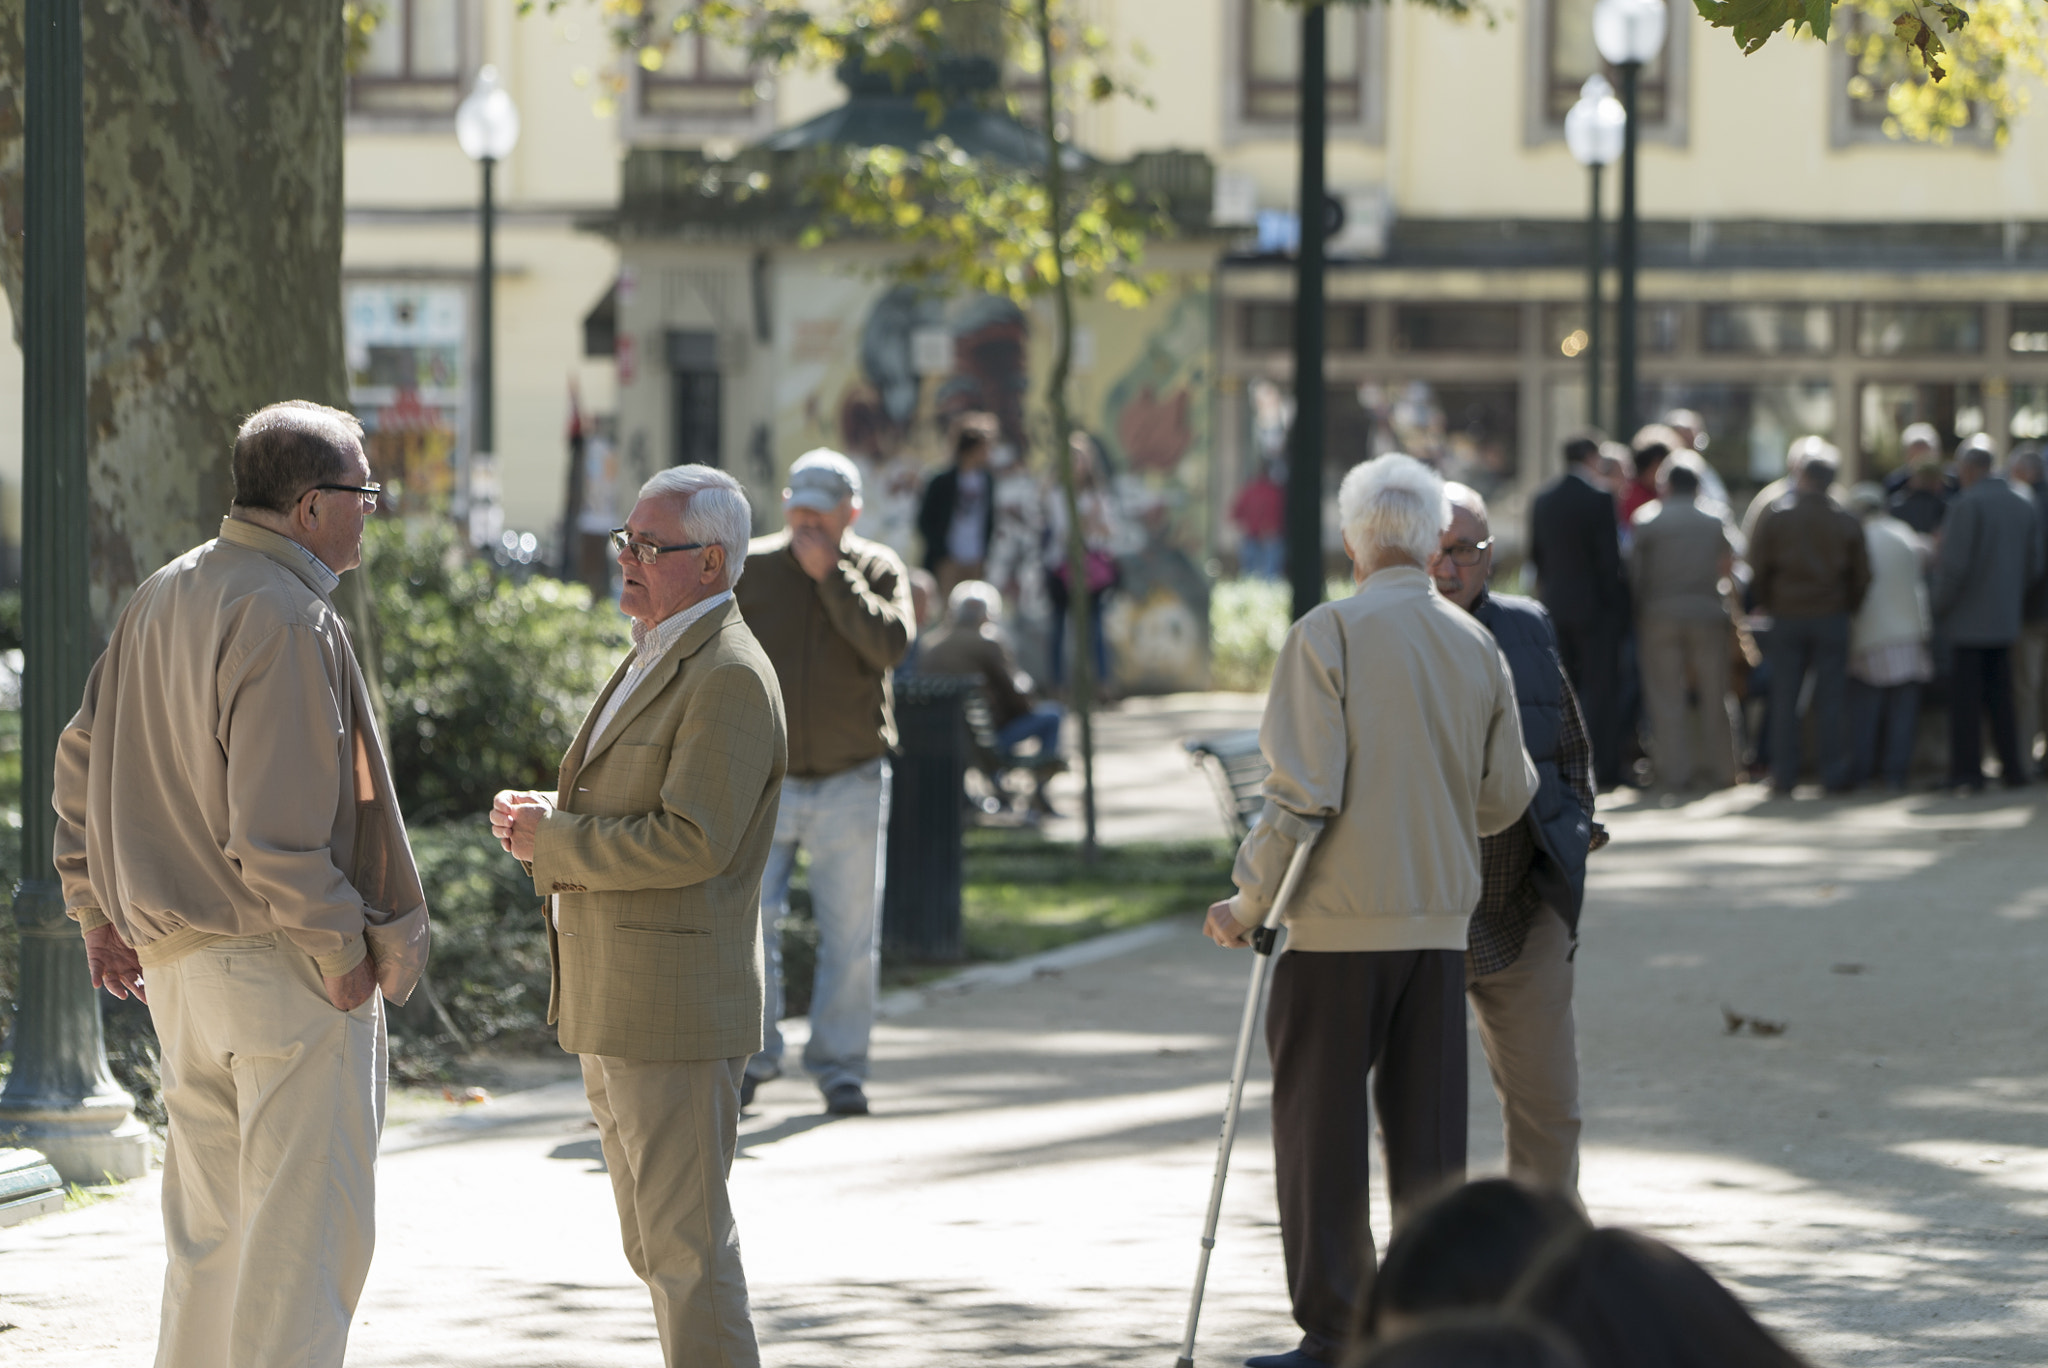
(647, 552)
(368, 493)
(1467, 554)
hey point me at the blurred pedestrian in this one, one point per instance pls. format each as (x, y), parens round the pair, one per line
(1647, 452)
(971, 643)
(230, 844)
(652, 849)
(1809, 574)
(1991, 552)
(957, 516)
(1259, 512)
(2026, 471)
(1888, 656)
(833, 612)
(1771, 495)
(1691, 431)
(1101, 528)
(1518, 964)
(1392, 730)
(1679, 557)
(1920, 490)
(926, 610)
(1575, 546)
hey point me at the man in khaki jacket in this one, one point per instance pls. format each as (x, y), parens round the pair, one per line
(652, 848)
(230, 844)
(1392, 730)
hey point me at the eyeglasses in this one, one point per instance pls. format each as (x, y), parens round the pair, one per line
(648, 553)
(1467, 554)
(368, 493)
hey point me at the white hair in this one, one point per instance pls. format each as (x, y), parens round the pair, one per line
(979, 592)
(716, 512)
(1471, 500)
(1810, 448)
(1393, 503)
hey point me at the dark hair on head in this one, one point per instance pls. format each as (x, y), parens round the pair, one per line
(971, 436)
(1681, 478)
(1817, 473)
(1580, 449)
(1628, 1301)
(284, 450)
(1465, 1250)
(1489, 1339)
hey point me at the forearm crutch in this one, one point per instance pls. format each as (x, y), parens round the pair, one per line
(1263, 940)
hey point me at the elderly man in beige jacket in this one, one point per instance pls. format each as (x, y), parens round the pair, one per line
(1393, 732)
(230, 844)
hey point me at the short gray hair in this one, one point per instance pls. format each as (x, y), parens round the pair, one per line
(987, 601)
(1471, 500)
(717, 512)
(1393, 503)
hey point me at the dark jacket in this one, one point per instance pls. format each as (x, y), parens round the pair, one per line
(1991, 550)
(1575, 545)
(2035, 609)
(833, 643)
(1809, 558)
(935, 514)
(1563, 830)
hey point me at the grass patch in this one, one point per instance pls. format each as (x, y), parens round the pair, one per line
(1024, 894)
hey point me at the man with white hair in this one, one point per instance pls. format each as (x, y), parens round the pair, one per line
(833, 612)
(1394, 741)
(652, 846)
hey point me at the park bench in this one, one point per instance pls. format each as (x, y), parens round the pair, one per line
(995, 765)
(1237, 769)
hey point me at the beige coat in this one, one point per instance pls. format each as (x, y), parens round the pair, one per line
(655, 851)
(1391, 728)
(223, 776)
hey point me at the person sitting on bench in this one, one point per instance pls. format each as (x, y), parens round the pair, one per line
(970, 643)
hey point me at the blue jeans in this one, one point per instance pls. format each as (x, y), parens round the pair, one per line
(1882, 722)
(1042, 722)
(1796, 645)
(841, 820)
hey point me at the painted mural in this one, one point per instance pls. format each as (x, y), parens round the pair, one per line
(883, 372)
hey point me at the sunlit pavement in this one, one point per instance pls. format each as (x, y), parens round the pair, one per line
(1874, 1180)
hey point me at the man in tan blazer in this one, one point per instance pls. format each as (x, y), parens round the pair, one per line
(652, 849)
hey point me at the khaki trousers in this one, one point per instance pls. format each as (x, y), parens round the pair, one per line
(669, 1130)
(1524, 1013)
(276, 1101)
(1678, 656)
(2029, 685)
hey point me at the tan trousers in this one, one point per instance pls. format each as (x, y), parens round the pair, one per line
(1677, 657)
(669, 1130)
(276, 1101)
(1524, 1014)
(2030, 686)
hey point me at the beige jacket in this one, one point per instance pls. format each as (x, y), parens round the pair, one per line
(223, 776)
(655, 850)
(1391, 728)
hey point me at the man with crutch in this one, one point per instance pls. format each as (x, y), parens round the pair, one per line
(1395, 744)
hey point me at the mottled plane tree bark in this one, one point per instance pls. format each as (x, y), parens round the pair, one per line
(213, 208)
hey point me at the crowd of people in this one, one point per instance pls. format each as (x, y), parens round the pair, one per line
(1707, 646)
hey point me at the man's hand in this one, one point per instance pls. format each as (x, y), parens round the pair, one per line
(814, 551)
(1223, 928)
(353, 989)
(515, 818)
(114, 966)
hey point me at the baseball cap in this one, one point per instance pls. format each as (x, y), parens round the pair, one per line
(822, 479)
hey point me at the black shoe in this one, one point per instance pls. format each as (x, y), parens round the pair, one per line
(846, 1099)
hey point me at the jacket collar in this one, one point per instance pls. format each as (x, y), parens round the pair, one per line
(282, 549)
(651, 684)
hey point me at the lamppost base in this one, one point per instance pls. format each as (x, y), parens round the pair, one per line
(97, 1141)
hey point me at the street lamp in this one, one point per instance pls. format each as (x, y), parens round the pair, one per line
(487, 126)
(1593, 130)
(1628, 34)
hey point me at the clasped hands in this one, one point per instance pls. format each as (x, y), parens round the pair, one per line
(516, 815)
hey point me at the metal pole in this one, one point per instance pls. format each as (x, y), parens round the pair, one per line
(486, 286)
(59, 1097)
(1305, 449)
(1594, 244)
(1625, 293)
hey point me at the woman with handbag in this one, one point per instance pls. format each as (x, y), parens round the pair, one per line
(1100, 524)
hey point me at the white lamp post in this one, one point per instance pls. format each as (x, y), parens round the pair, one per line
(487, 127)
(1628, 34)
(1593, 130)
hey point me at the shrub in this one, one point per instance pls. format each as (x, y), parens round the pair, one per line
(485, 679)
(489, 966)
(1248, 619)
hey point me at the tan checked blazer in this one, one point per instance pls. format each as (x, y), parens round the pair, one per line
(656, 848)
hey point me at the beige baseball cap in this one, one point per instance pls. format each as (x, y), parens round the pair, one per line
(822, 479)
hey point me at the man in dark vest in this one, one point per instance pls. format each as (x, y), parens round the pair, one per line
(1575, 545)
(1518, 964)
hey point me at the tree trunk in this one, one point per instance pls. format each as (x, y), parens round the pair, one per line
(213, 248)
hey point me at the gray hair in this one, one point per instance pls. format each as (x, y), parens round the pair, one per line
(1466, 497)
(974, 601)
(2025, 462)
(1976, 454)
(1811, 448)
(716, 512)
(1393, 503)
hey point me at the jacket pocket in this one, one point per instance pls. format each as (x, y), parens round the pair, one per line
(649, 928)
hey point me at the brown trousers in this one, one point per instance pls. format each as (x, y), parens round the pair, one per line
(1524, 1014)
(1336, 1018)
(1682, 658)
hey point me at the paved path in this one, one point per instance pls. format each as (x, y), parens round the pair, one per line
(1874, 1180)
